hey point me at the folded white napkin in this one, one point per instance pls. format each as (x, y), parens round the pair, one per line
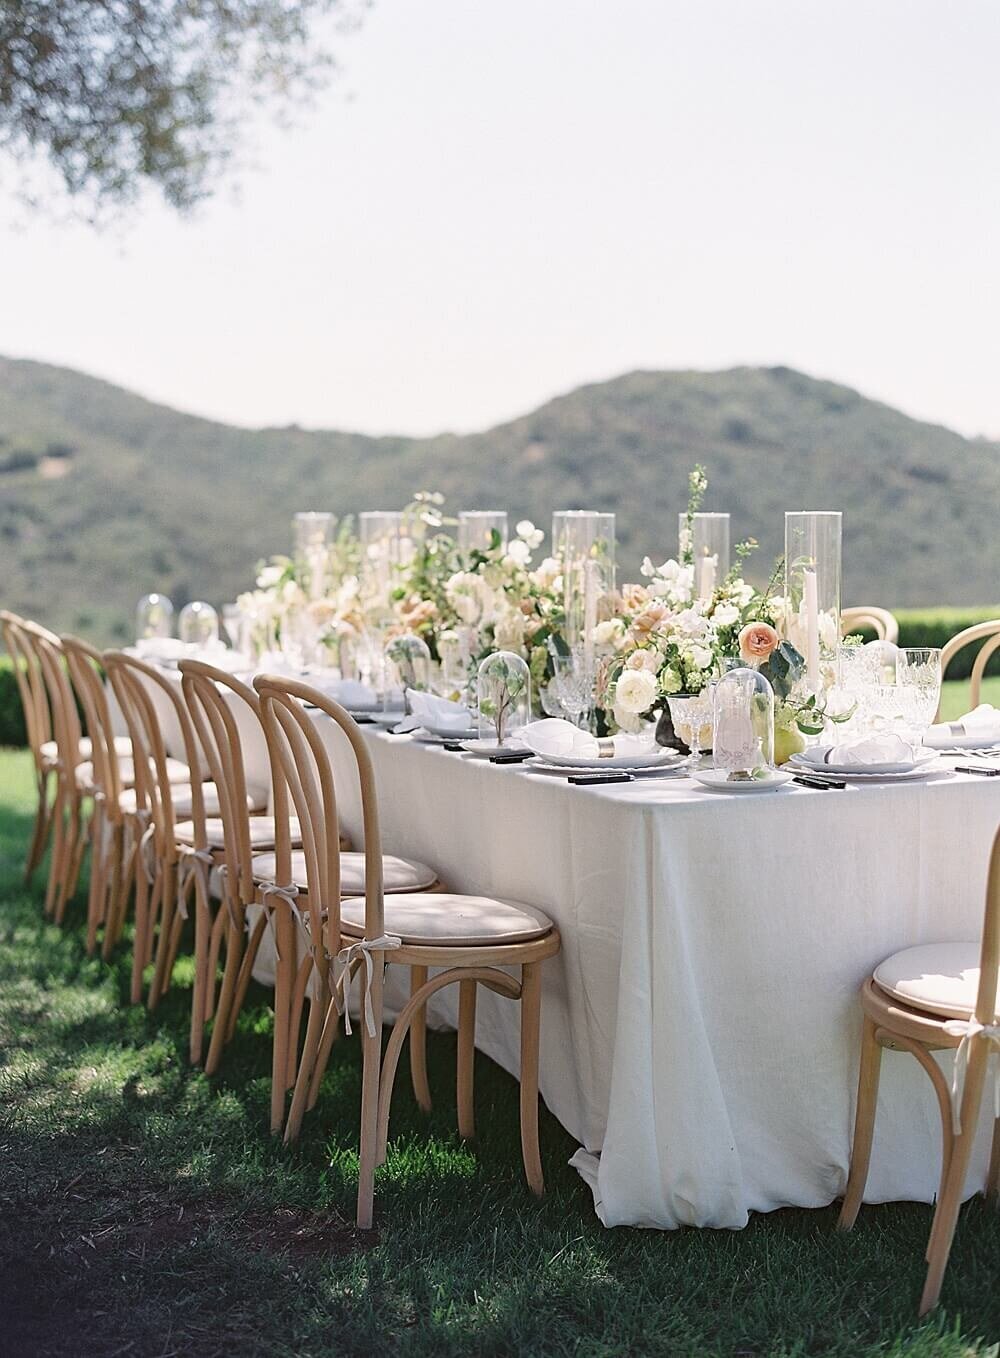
(160, 648)
(439, 713)
(983, 723)
(553, 736)
(351, 693)
(879, 749)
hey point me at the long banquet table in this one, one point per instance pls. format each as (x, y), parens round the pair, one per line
(700, 1027)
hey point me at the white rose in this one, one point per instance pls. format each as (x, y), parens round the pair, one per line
(269, 577)
(608, 633)
(627, 721)
(546, 575)
(725, 615)
(644, 659)
(527, 531)
(508, 634)
(635, 691)
(518, 553)
(702, 657)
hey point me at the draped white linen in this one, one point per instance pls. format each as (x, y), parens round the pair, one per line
(700, 1027)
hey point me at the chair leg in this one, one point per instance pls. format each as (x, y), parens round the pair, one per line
(220, 927)
(166, 942)
(284, 981)
(864, 1125)
(245, 975)
(97, 893)
(946, 1215)
(331, 1030)
(77, 844)
(372, 1054)
(466, 1058)
(227, 992)
(56, 861)
(143, 925)
(993, 1177)
(40, 833)
(531, 1010)
(418, 1045)
(202, 979)
(307, 1062)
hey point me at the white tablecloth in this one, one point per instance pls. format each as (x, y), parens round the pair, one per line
(700, 1026)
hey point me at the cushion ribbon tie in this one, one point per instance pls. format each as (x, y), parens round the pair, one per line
(287, 894)
(967, 1030)
(193, 862)
(362, 951)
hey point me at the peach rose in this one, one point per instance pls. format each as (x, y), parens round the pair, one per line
(757, 641)
(651, 617)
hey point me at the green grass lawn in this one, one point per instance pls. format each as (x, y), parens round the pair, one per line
(145, 1210)
(955, 696)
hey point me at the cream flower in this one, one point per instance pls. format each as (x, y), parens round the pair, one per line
(635, 691)
(725, 615)
(269, 576)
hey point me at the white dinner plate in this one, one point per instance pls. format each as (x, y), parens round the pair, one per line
(450, 733)
(387, 718)
(717, 780)
(813, 761)
(537, 765)
(486, 749)
(855, 776)
(655, 759)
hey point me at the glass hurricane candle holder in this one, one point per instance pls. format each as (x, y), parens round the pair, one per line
(583, 542)
(408, 666)
(743, 723)
(313, 535)
(154, 617)
(709, 547)
(812, 591)
(381, 536)
(504, 690)
(199, 624)
(480, 530)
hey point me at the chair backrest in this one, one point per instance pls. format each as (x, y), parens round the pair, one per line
(989, 634)
(134, 684)
(30, 683)
(84, 664)
(880, 620)
(303, 779)
(210, 695)
(989, 957)
(66, 728)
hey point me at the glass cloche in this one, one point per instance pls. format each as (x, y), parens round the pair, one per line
(154, 617)
(199, 624)
(743, 724)
(504, 690)
(408, 666)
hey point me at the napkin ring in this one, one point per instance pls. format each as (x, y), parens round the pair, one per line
(606, 747)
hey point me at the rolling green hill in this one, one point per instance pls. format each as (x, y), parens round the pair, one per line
(104, 496)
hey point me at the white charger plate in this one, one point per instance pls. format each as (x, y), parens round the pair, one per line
(661, 760)
(486, 749)
(812, 760)
(716, 780)
(856, 776)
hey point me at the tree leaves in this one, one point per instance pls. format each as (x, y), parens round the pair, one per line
(120, 94)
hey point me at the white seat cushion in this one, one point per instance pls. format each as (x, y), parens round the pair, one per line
(50, 750)
(176, 772)
(180, 795)
(940, 978)
(440, 919)
(398, 874)
(261, 832)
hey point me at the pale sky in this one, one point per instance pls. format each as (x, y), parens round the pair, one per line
(499, 202)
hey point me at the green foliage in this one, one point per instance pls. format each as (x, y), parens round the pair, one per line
(12, 731)
(118, 95)
(147, 1210)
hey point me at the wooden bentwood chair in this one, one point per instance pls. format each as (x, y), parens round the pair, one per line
(471, 938)
(880, 620)
(37, 725)
(934, 997)
(245, 846)
(986, 632)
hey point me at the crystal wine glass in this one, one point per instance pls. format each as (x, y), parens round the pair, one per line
(919, 668)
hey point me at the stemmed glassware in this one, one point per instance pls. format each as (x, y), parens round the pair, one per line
(691, 715)
(575, 674)
(918, 669)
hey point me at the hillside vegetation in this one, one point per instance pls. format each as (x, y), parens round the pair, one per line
(104, 495)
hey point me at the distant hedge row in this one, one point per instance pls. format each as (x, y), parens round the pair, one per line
(917, 627)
